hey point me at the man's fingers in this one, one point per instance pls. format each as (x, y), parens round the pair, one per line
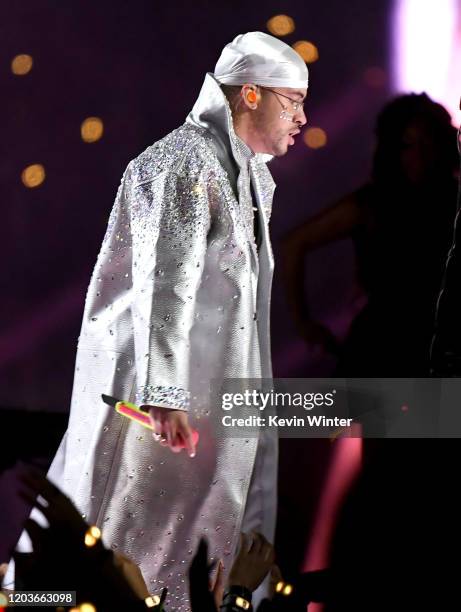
(158, 426)
(246, 543)
(155, 421)
(268, 553)
(170, 428)
(176, 447)
(35, 533)
(261, 546)
(276, 574)
(157, 432)
(167, 429)
(186, 433)
(220, 578)
(163, 438)
(35, 502)
(257, 542)
(154, 426)
(173, 430)
(219, 585)
(37, 482)
(175, 442)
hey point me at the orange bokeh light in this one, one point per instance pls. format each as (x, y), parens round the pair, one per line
(281, 25)
(92, 129)
(307, 50)
(33, 175)
(315, 138)
(21, 64)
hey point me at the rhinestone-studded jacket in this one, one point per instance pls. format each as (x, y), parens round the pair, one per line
(179, 299)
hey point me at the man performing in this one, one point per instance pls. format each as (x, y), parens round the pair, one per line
(178, 300)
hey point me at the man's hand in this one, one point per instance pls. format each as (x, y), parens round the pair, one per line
(255, 558)
(201, 598)
(171, 428)
(276, 577)
(61, 514)
(132, 574)
(217, 587)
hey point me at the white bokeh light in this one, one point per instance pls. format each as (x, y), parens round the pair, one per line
(427, 50)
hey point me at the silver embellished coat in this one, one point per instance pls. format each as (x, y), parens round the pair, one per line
(179, 297)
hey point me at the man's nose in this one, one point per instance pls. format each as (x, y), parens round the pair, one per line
(302, 120)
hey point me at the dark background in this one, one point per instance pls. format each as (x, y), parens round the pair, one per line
(139, 66)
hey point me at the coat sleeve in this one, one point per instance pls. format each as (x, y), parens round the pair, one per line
(170, 221)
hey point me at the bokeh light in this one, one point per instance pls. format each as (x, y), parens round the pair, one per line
(307, 50)
(92, 535)
(21, 64)
(152, 601)
(315, 138)
(281, 25)
(92, 129)
(87, 607)
(33, 175)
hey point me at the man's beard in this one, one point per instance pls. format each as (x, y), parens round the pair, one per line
(280, 146)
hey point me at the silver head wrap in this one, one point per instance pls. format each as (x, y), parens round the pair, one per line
(261, 59)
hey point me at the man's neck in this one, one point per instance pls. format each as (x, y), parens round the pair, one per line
(244, 149)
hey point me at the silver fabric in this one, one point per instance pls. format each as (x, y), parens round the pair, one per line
(261, 59)
(179, 297)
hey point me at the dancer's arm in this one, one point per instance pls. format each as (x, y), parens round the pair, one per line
(336, 222)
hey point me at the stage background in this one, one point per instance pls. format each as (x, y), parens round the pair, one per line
(139, 66)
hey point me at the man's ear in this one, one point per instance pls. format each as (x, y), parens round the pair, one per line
(251, 95)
